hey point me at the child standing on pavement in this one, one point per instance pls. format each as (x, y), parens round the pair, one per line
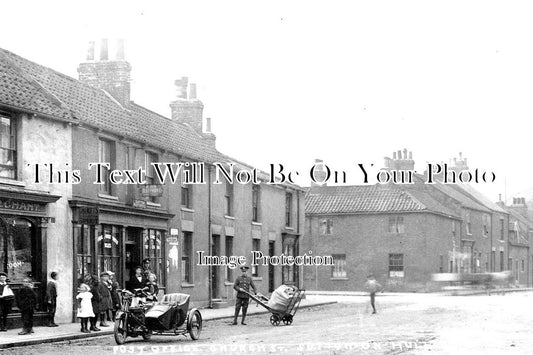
(372, 286)
(85, 307)
(26, 301)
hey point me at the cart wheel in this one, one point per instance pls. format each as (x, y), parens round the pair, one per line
(194, 324)
(287, 320)
(274, 319)
(121, 329)
(147, 335)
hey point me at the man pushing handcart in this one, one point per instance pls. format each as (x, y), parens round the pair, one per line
(283, 303)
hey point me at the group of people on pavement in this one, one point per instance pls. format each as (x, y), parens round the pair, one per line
(26, 301)
(98, 299)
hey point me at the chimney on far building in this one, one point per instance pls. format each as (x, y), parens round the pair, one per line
(459, 164)
(187, 108)
(111, 75)
(519, 205)
(401, 160)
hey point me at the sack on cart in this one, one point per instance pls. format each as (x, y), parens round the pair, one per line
(281, 297)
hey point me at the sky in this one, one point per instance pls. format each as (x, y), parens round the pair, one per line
(286, 82)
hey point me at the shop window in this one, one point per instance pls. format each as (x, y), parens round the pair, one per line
(396, 267)
(108, 245)
(338, 269)
(186, 258)
(396, 225)
(255, 203)
(17, 249)
(8, 151)
(229, 252)
(256, 246)
(153, 250)
(288, 209)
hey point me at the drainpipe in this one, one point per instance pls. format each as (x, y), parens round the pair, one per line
(209, 281)
(300, 272)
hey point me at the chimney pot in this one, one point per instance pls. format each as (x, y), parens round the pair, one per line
(103, 49)
(120, 50)
(90, 51)
(410, 155)
(208, 124)
(394, 155)
(192, 91)
(399, 154)
(181, 85)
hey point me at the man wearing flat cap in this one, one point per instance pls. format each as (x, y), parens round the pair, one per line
(243, 282)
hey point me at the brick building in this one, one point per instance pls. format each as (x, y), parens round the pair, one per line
(403, 233)
(115, 226)
(520, 257)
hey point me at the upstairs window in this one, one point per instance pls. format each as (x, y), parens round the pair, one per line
(186, 189)
(468, 224)
(8, 152)
(106, 155)
(150, 158)
(228, 199)
(255, 203)
(288, 209)
(396, 225)
(326, 226)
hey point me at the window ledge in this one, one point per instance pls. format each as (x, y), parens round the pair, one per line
(289, 228)
(228, 283)
(185, 209)
(257, 278)
(339, 278)
(153, 204)
(12, 182)
(256, 223)
(186, 285)
(229, 217)
(108, 197)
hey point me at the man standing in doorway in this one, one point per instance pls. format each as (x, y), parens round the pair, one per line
(242, 283)
(372, 286)
(146, 268)
(51, 299)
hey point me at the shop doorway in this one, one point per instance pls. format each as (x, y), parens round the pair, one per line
(132, 252)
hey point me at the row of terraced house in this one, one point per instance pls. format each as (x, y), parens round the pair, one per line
(404, 233)
(83, 228)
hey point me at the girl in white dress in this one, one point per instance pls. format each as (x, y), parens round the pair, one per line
(85, 307)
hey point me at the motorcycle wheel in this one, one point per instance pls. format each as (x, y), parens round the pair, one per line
(148, 335)
(194, 324)
(121, 329)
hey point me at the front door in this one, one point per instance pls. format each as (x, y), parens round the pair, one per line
(215, 250)
(271, 252)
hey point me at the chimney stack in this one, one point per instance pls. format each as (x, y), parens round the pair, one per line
(400, 161)
(111, 75)
(187, 108)
(519, 205)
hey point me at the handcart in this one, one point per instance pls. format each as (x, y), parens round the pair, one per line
(278, 315)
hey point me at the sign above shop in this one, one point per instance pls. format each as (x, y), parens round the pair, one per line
(88, 215)
(139, 203)
(152, 190)
(16, 205)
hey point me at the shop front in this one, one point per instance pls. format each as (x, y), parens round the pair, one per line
(118, 239)
(23, 237)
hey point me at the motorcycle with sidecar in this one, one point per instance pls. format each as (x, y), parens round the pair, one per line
(170, 316)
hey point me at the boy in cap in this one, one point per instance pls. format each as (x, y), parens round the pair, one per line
(51, 299)
(6, 301)
(26, 301)
(243, 282)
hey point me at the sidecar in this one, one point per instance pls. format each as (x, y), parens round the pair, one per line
(171, 315)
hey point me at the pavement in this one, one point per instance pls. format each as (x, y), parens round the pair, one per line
(71, 331)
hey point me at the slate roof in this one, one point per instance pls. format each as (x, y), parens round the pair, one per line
(32, 87)
(478, 196)
(358, 199)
